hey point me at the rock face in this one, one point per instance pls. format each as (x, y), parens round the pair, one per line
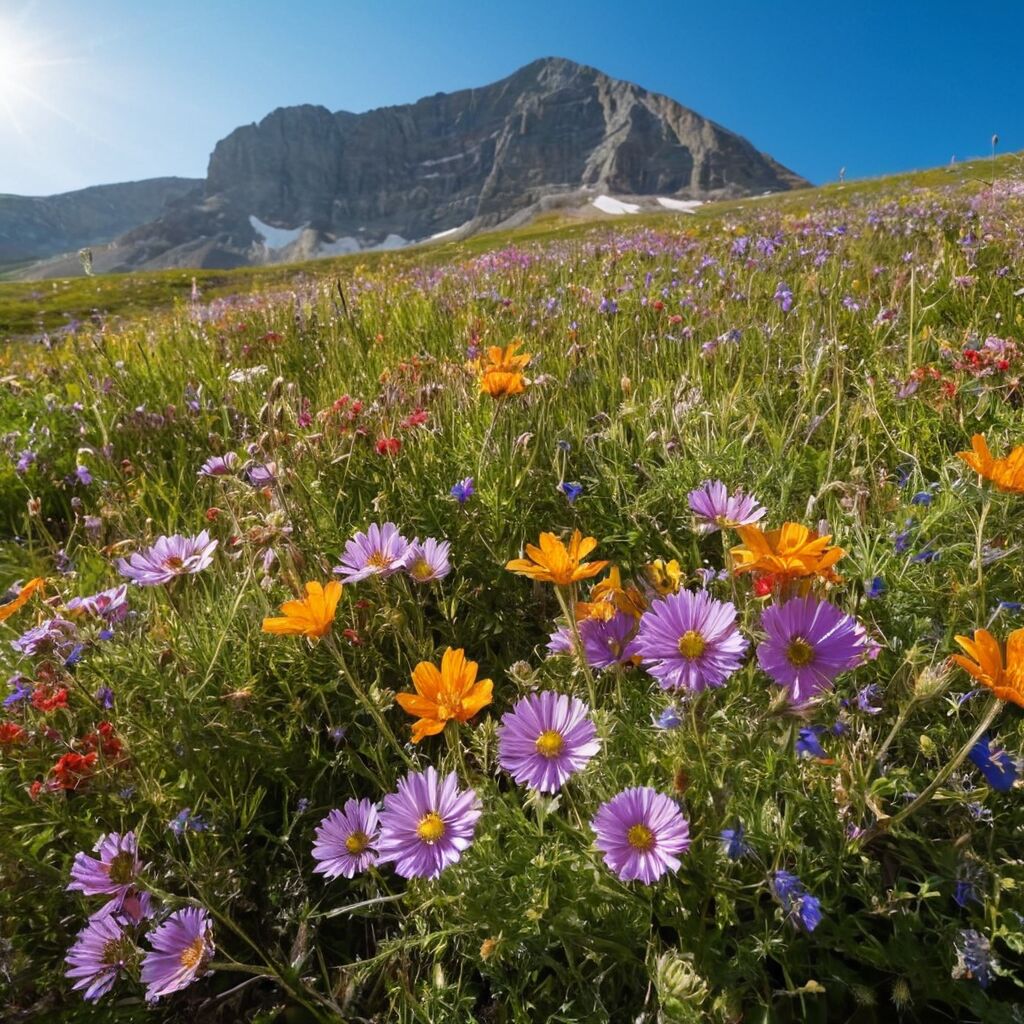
(33, 227)
(305, 181)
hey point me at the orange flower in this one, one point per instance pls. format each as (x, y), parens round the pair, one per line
(311, 616)
(553, 562)
(451, 693)
(791, 552)
(21, 599)
(608, 597)
(665, 577)
(502, 374)
(1006, 473)
(985, 663)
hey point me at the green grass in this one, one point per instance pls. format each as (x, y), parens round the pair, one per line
(35, 307)
(699, 373)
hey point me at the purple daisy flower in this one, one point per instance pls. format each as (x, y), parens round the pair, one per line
(716, 508)
(113, 873)
(167, 559)
(219, 465)
(132, 910)
(261, 474)
(428, 561)
(640, 831)
(546, 738)
(111, 605)
(182, 948)
(427, 824)
(55, 636)
(381, 551)
(690, 641)
(345, 840)
(560, 642)
(809, 643)
(608, 642)
(100, 954)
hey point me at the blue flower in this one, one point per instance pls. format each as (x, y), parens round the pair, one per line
(20, 690)
(801, 908)
(901, 541)
(463, 490)
(1010, 606)
(571, 490)
(967, 881)
(336, 733)
(808, 743)
(1000, 770)
(83, 475)
(669, 718)
(973, 957)
(186, 821)
(865, 697)
(926, 554)
(874, 587)
(104, 696)
(922, 498)
(733, 844)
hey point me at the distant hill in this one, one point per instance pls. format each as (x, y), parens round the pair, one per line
(307, 182)
(34, 227)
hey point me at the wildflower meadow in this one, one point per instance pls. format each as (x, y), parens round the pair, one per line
(621, 626)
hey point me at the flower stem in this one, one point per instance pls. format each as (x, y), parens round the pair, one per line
(944, 773)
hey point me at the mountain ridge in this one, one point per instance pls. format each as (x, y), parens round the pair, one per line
(305, 181)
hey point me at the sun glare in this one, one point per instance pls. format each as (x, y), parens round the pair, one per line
(27, 69)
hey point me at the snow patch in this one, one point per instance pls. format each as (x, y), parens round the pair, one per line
(275, 238)
(683, 205)
(442, 234)
(608, 205)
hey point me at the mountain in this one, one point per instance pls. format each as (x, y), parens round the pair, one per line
(33, 227)
(306, 182)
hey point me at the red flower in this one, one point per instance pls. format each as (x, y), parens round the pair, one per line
(415, 419)
(658, 305)
(104, 740)
(763, 586)
(73, 769)
(33, 790)
(388, 446)
(11, 733)
(352, 637)
(45, 698)
(212, 514)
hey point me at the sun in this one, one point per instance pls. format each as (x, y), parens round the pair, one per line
(28, 66)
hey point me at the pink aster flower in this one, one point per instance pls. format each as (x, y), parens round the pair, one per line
(606, 642)
(640, 831)
(100, 954)
(111, 605)
(690, 641)
(219, 465)
(428, 561)
(113, 873)
(427, 824)
(546, 738)
(716, 508)
(809, 643)
(182, 949)
(168, 558)
(345, 840)
(381, 551)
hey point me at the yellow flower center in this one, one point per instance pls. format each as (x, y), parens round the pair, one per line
(357, 842)
(422, 569)
(799, 652)
(379, 560)
(640, 837)
(692, 644)
(550, 743)
(192, 955)
(430, 828)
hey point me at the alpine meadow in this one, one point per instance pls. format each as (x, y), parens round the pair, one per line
(601, 620)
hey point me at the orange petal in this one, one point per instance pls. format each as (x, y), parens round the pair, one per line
(426, 727)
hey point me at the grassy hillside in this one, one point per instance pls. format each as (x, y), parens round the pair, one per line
(35, 307)
(839, 808)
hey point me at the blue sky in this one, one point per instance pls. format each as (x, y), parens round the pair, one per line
(114, 90)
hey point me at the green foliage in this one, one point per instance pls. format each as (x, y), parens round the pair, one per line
(699, 373)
